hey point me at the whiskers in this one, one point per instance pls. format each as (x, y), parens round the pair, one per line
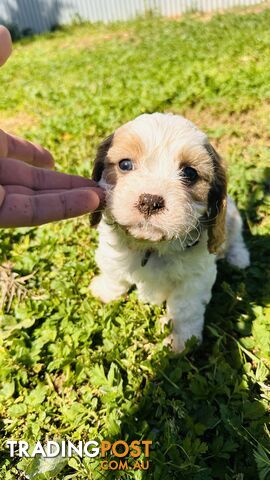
(191, 232)
(182, 221)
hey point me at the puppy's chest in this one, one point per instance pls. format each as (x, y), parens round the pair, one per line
(170, 268)
(148, 265)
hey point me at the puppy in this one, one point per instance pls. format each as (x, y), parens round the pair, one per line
(166, 221)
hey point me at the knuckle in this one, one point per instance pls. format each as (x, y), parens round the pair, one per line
(1, 168)
(2, 193)
(33, 210)
(38, 178)
(64, 206)
(3, 143)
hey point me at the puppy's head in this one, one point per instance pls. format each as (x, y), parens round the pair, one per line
(164, 180)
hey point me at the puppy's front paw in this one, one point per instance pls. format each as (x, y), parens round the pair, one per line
(238, 256)
(101, 289)
(177, 341)
(174, 341)
(164, 321)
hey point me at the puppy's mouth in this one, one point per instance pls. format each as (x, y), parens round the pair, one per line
(146, 231)
(143, 230)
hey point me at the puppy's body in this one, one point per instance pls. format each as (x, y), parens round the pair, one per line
(163, 223)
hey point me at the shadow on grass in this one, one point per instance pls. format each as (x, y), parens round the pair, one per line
(205, 409)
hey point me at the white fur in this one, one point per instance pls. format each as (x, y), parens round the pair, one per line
(180, 276)
(236, 252)
(183, 279)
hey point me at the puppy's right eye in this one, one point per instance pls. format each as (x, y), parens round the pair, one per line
(126, 165)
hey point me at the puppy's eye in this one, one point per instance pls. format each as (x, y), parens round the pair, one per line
(126, 165)
(189, 174)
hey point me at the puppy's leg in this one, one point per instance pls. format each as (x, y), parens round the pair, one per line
(107, 289)
(186, 307)
(113, 263)
(236, 251)
(188, 320)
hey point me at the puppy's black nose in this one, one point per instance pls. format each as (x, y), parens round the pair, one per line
(150, 204)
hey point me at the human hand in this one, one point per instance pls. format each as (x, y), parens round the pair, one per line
(33, 196)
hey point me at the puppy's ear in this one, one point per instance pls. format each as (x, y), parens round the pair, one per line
(217, 202)
(99, 165)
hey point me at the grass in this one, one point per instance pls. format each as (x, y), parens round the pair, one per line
(72, 368)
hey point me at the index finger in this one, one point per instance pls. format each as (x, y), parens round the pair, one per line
(28, 152)
(5, 44)
(13, 172)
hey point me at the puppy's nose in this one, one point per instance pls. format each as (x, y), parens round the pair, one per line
(150, 204)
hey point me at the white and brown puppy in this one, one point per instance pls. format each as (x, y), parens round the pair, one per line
(165, 219)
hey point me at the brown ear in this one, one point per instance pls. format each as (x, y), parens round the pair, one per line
(217, 202)
(99, 165)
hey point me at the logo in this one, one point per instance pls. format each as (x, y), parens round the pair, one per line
(118, 455)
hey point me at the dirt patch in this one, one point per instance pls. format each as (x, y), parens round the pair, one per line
(74, 42)
(22, 121)
(90, 39)
(249, 128)
(207, 16)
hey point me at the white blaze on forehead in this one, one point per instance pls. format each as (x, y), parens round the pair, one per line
(163, 137)
(166, 130)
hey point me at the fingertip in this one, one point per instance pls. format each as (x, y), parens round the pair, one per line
(49, 159)
(101, 194)
(5, 44)
(43, 158)
(93, 200)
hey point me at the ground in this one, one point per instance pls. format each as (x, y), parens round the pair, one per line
(72, 368)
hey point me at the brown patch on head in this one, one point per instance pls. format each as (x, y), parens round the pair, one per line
(216, 202)
(198, 158)
(123, 144)
(126, 145)
(210, 188)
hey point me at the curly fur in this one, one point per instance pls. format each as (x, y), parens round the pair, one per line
(169, 256)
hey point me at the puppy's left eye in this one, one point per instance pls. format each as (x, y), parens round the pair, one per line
(189, 174)
(126, 164)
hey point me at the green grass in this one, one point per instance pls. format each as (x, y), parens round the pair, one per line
(72, 368)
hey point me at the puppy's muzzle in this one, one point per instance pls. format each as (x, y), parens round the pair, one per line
(150, 204)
